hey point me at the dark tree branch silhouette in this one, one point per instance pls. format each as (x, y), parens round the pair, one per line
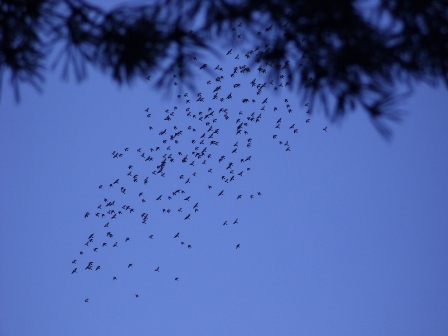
(340, 53)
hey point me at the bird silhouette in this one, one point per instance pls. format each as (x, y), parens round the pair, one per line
(194, 139)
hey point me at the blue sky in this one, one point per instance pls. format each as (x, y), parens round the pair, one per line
(348, 237)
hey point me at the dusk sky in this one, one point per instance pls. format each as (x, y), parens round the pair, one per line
(340, 231)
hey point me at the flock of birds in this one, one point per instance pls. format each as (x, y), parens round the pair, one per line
(204, 140)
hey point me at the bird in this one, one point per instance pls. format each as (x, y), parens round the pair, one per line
(130, 265)
(177, 279)
(157, 269)
(74, 271)
(86, 300)
(194, 149)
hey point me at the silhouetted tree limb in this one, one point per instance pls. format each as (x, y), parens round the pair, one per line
(337, 52)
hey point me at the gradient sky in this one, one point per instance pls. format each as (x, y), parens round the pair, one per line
(348, 237)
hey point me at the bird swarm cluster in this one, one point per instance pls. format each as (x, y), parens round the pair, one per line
(205, 140)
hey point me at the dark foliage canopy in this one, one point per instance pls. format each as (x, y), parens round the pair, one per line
(356, 52)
